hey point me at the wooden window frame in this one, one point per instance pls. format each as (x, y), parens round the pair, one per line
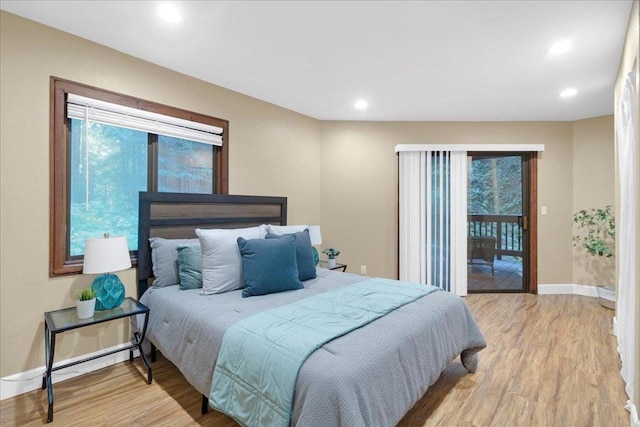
(60, 262)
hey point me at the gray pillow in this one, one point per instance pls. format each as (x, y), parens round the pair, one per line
(164, 258)
(221, 261)
(285, 229)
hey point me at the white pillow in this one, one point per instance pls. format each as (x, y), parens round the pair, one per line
(285, 229)
(221, 260)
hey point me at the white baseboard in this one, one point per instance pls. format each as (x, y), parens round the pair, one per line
(635, 422)
(570, 289)
(23, 382)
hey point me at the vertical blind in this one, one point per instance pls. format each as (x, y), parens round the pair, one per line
(97, 111)
(433, 215)
(412, 221)
(446, 213)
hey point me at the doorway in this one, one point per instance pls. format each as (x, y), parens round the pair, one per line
(499, 201)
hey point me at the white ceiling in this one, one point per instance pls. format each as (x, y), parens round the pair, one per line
(430, 60)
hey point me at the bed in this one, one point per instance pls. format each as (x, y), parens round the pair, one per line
(369, 377)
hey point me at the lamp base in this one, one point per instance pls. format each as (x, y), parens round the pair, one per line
(109, 291)
(316, 257)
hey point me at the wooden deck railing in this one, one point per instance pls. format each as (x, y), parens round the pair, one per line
(505, 228)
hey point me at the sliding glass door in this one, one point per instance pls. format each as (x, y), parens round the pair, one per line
(497, 222)
(467, 219)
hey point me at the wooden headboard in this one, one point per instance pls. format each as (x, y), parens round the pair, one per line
(177, 215)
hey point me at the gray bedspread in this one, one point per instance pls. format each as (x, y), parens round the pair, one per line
(369, 377)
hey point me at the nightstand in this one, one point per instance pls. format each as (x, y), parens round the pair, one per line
(325, 264)
(58, 321)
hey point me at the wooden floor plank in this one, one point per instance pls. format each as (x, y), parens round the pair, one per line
(551, 360)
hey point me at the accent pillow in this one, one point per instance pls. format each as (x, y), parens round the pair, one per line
(285, 229)
(304, 254)
(269, 265)
(190, 266)
(221, 261)
(164, 258)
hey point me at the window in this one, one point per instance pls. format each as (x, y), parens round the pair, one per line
(184, 166)
(108, 167)
(106, 148)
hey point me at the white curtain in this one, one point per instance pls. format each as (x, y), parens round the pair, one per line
(433, 218)
(626, 130)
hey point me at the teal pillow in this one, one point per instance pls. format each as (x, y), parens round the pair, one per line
(190, 266)
(269, 265)
(164, 258)
(304, 254)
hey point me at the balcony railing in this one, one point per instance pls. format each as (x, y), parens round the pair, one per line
(506, 229)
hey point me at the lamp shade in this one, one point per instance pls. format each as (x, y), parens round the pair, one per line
(106, 255)
(315, 235)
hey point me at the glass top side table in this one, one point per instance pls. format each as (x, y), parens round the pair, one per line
(325, 264)
(66, 319)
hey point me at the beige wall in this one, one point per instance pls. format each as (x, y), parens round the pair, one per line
(272, 152)
(342, 175)
(631, 55)
(593, 187)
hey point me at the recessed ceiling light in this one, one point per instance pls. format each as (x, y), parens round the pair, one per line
(169, 13)
(559, 47)
(567, 93)
(360, 104)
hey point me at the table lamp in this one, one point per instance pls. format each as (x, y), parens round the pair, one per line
(104, 255)
(316, 239)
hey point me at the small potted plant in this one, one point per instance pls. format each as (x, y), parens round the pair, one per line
(596, 233)
(331, 253)
(85, 302)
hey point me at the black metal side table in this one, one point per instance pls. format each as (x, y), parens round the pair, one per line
(325, 264)
(59, 321)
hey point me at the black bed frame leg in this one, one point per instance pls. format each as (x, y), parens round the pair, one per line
(153, 353)
(205, 404)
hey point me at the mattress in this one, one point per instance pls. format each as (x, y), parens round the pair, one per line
(369, 377)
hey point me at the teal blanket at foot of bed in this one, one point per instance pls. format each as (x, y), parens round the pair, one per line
(258, 362)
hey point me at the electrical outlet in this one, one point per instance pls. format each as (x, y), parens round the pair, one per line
(363, 269)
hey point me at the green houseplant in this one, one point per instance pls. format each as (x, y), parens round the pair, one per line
(85, 302)
(596, 233)
(85, 294)
(331, 253)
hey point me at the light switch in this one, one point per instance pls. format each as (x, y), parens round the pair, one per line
(543, 210)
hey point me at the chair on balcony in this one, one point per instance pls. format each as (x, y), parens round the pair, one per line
(482, 250)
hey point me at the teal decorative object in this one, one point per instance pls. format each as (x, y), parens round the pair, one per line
(106, 255)
(109, 291)
(316, 256)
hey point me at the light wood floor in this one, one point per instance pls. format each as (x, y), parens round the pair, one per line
(551, 361)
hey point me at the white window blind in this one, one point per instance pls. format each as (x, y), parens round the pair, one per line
(433, 219)
(412, 194)
(83, 108)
